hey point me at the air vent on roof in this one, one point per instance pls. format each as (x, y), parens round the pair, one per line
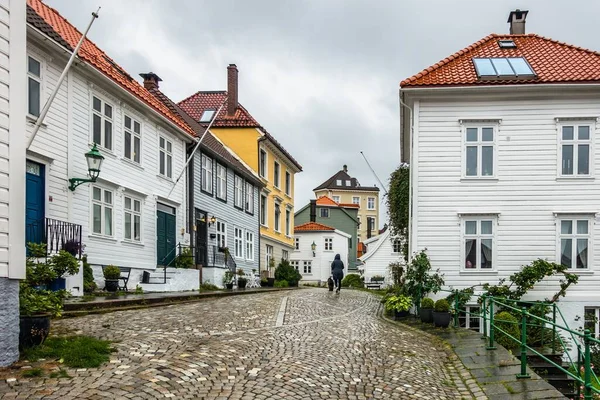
(117, 68)
(503, 68)
(507, 44)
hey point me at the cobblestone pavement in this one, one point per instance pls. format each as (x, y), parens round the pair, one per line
(323, 347)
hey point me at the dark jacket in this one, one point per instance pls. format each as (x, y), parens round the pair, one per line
(337, 267)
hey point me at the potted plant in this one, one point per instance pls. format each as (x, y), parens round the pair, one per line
(441, 313)
(241, 279)
(271, 278)
(35, 309)
(111, 278)
(426, 311)
(399, 304)
(62, 263)
(264, 282)
(228, 279)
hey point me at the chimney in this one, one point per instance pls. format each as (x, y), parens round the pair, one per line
(232, 89)
(345, 168)
(150, 80)
(313, 210)
(516, 19)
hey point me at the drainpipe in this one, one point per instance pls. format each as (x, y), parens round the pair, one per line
(412, 181)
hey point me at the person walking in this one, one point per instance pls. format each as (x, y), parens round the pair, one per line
(337, 271)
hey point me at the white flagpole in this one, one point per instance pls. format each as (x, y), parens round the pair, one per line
(40, 119)
(196, 148)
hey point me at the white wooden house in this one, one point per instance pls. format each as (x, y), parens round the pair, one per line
(381, 251)
(315, 248)
(502, 140)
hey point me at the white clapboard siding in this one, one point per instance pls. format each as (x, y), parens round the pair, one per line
(380, 253)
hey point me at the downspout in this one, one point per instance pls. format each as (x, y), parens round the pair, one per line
(404, 159)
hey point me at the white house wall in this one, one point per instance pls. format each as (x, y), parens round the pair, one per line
(321, 262)
(378, 257)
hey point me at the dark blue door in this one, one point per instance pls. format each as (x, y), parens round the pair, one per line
(165, 234)
(34, 203)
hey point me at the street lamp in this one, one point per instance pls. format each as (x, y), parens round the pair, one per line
(313, 247)
(94, 161)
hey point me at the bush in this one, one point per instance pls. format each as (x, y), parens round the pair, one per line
(112, 272)
(509, 324)
(353, 280)
(185, 259)
(64, 263)
(285, 272)
(281, 284)
(427, 303)
(207, 286)
(398, 303)
(441, 306)
(36, 302)
(89, 285)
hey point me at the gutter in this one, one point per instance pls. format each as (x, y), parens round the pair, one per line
(498, 88)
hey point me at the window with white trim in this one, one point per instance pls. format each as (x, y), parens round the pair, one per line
(221, 182)
(479, 152)
(591, 320)
(478, 242)
(34, 86)
(288, 183)
(307, 267)
(295, 264)
(277, 216)
(262, 166)
(397, 245)
(238, 192)
(276, 173)
(328, 244)
(575, 150)
(132, 137)
(574, 241)
(338, 182)
(249, 246)
(102, 123)
(371, 224)
(102, 211)
(249, 198)
(268, 254)
(285, 255)
(371, 203)
(288, 220)
(165, 157)
(297, 243)
(263, 210)
(356, 200)
(324, 212)
(470, 319)
(221, 234)
(132, 209)
(336, 199)
(207, 174)
(238, 242)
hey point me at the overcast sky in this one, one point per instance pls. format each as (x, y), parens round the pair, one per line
(321, 75)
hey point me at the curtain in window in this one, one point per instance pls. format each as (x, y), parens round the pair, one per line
(565, 252)
(469, 243)
(486, 253)
(582, 253)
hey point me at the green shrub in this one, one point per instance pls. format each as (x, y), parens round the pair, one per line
(207, 286)
(509, 324)
(427, 303)
(398, 303)
(281, 284)
(353, 280)
(39, 273)
(441, 306)
(185, 259)
(89, 285)
(64, 263)
(112, 272)
(35, 302)
(285, 272)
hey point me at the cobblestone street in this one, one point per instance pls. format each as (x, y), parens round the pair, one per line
(287, 345)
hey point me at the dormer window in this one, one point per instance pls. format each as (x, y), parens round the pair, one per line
(207, 115)
(338, 182)
(507, 44)
(503, 68)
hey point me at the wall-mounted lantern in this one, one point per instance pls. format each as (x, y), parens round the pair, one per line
(94, 161)
(313, 247)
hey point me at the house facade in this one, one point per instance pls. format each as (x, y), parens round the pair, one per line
(12, 168)
(502, 141)
(238, 130)
(315, 265)
(344, 189)
(382, 250)
(134, 214)
(343, 218)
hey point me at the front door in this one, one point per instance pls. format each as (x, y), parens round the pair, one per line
(34, 203)
(201, 238)
(165, 234)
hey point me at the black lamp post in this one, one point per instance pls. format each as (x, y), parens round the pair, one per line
(94, 161)
(313, 247)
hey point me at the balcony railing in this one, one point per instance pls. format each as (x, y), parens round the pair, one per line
(57, 235)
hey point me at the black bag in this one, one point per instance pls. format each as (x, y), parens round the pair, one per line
(330, 284)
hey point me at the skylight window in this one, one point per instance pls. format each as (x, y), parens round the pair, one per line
(503, 68)
(507, 44)
(207, 115)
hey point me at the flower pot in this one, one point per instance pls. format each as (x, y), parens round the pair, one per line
(242, 283)
(58, 284)
(34, 330)
(426, 315)
(229, 285)
(111, 285)
(400, 314)
(270, 282)
(441, 319)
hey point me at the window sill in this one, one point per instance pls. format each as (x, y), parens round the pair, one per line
(264, 226)
(32, 120)
(580, 272)
(133, 243)
(478, 272)
(575, 178)
(474, 179)
(106, 152)
(132, 163)
(164, 178)
(103, 238)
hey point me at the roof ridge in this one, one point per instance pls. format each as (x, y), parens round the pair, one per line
(596, 53)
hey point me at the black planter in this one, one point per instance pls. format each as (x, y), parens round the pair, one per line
(33, 330)
(111, 285)
(270, 282)
(242, 283)
(441, 319)
(400, 314)
(426, 315)
(229, 285)
(58, 284)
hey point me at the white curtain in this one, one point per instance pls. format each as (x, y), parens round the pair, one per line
(565, 258)
(487, 254)
(582, 252)
(468, 247)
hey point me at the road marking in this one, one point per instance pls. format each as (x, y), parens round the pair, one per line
(281, 314)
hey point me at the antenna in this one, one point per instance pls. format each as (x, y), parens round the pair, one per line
(371, 168)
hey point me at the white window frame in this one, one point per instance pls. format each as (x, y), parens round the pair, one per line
(285, 255)
(249, 245)
(277, 220)
(328, 244)
(268, 254)
(104, 205)
(263, 169)
(39, 79)
(164, 152)
(324, 212)
(238, 191)
(288, 183)
(336, 198)
(221, 182)
(574, 236)
(596, 321)
(288, 222)
(296, 244)
(238, 242)
(478, 237)
(467, 318)
(221, 229)
(307, 267)
(133, 136)
(132, 214)
(295, 264)
(480, 144)
(104, 119)
(370, 206)
(374, 227)
(207, 174)
(264, 210)
(356, 200)
(396, 245)
(276, 174)
(575, 142)
(249, 198)
(338, 182)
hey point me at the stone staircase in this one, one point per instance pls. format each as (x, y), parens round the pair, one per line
(551, 373)
(178, 279)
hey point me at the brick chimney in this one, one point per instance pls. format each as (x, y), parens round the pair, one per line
(345, 168)
(151, 80)
(232, 89)
(516, 19)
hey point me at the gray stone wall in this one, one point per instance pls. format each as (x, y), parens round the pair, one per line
(9, 321)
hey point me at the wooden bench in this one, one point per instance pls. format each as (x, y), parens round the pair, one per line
(125, 272)
(375, 283)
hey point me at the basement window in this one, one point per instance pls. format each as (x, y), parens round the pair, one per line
(207, 115)
(507, 44)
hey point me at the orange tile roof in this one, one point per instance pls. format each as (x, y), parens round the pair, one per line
(312, 226)
(327, 201)
(551, 60)
(349, 205)
(51, 23)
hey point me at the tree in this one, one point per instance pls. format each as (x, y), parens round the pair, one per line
(398, 204)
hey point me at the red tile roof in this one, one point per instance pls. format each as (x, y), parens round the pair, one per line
(551, 60)
(312, 226)
(327, 201)
(51, 23)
